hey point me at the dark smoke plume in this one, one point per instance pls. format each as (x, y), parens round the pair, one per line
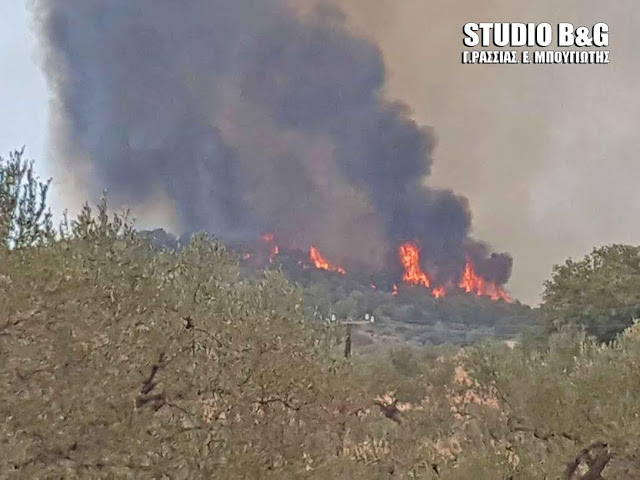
(252, 119)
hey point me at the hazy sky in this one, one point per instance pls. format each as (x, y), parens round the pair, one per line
(548, 156)
(23, 95)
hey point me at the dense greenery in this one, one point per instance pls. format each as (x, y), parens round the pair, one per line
(119, 360)
(600, 292)
(413, 314)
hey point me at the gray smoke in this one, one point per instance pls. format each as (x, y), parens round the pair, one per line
(252, 119)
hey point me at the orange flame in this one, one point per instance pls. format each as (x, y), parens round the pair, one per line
(274, 249)
(473, 283)
(439, 292)
(409, 254)
(410, 258)
(322, 263)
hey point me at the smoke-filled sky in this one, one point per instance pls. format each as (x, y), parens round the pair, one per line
(251, 117)
(545, 155)
(549, 156)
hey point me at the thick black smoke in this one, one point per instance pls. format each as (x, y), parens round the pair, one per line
(251, 119)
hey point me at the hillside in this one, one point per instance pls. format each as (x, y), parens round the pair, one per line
(411, 315)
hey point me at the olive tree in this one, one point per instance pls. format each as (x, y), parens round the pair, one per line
(25, 219)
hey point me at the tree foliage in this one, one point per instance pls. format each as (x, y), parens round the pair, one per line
(120, 360)
(24, 217)
(600, 292)
(117, 360)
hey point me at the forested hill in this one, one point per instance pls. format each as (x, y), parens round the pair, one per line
(412, 314)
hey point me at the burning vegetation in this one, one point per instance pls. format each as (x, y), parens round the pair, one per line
(274, 249)
(322, 263)
(473, 283)
(291, 134)
(409, 257)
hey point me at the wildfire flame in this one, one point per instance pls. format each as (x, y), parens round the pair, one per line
(473, 283)
(439, 292)
(274, 249)
(410, 258)
(322, 263)
(409, 254)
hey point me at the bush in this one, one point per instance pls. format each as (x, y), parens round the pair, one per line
(24, 217)
(121, 361)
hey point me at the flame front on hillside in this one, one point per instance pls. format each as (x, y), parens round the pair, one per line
(414, 274)
(471, 282)
(410, 258)
(322, 263)
(291, 134)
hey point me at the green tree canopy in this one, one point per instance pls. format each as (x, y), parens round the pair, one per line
(600, 292)
(24, 217)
